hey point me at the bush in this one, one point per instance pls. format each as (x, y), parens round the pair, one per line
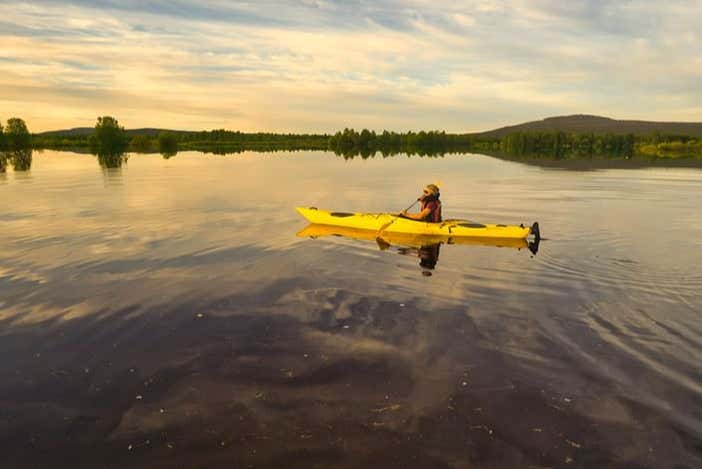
(141, 143)
(167, 144)
(16, 134)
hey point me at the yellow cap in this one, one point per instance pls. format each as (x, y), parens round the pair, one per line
(433, 188)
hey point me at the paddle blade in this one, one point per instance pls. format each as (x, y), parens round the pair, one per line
(382, 244)
(385, 226)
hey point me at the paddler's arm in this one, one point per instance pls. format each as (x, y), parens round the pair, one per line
(417, 216)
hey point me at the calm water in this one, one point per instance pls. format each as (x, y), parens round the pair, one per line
(165, 314)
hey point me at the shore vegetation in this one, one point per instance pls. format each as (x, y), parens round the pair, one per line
(109, 137)
(15, 145)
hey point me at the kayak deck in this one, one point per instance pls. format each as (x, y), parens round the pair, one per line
(391, 223)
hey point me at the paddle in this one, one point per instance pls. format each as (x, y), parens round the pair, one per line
(385, 226)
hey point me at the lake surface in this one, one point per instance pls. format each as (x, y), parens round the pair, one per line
(165, 314)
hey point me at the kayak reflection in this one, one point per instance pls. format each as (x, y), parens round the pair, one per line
(425, 247)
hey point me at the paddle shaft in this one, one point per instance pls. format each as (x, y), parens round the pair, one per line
(385, 227)
(413, 204)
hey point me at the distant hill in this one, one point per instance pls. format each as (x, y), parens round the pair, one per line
(597, 124)
(85, 131)
(76, 132)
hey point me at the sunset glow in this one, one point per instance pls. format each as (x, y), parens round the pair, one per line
(322, 65)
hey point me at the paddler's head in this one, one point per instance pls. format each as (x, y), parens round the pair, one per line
(431, 191)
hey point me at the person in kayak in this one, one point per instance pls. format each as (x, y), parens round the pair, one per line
(431, 206)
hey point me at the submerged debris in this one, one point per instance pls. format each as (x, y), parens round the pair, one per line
(573, 444)
(388, 408)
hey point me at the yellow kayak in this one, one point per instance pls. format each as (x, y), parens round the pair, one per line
(407, 239)
(386, 223)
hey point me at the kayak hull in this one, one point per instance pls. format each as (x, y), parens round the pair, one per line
(390, 223)
(408, 239)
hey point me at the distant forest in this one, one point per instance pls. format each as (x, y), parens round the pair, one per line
(555, 144)
(531, 140)
(210, 141)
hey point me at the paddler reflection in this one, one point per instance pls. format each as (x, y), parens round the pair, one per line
(428, 254)
(424, 247)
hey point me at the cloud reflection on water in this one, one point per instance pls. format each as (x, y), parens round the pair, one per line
(185, 285)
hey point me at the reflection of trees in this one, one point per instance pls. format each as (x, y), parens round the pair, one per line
(112, 176)
(21, 159)
(366, 153)
(113, 159)
(596, 162)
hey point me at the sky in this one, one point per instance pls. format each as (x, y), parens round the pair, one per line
(322, 65)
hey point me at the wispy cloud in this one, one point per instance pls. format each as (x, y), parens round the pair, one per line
(320, 65)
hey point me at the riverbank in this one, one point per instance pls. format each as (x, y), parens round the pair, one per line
(366, 143)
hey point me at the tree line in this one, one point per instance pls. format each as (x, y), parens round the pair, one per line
(109, 138)
(555, 144)
(109, 134)
(367, 143)
(15, 145)
(561, 144)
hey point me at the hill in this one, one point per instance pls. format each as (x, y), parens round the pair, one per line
(581, 123)
(87, 131)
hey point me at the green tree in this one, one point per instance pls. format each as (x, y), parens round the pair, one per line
(109, 137)
(16, 134)
(629, 145)
(111, 159)
(167, 144)
(2, 138)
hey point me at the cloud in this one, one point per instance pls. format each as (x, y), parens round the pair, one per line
(322, 65)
